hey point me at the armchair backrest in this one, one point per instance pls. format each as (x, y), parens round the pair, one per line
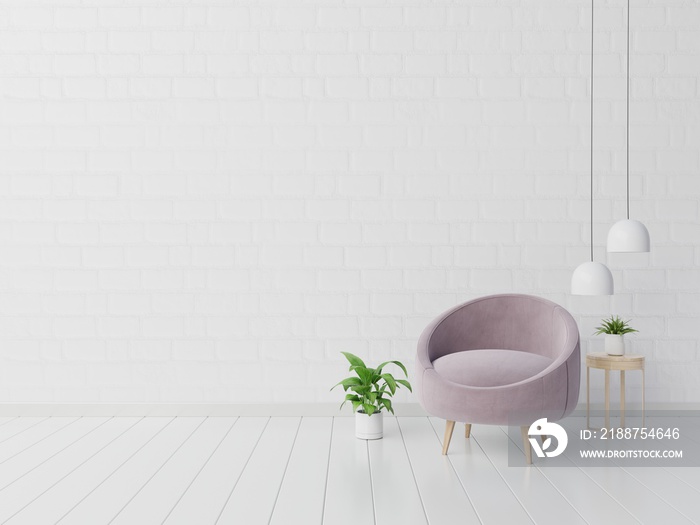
(509, 322)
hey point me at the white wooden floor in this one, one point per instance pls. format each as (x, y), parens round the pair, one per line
(311, 470)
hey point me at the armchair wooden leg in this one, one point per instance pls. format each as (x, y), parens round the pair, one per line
(448, 435)
(526, 444)
(467, 430)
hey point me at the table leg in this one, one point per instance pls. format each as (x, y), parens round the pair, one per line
(527, 447)
(588, 397)
(607, 399)
(644, 403)
(622, 399)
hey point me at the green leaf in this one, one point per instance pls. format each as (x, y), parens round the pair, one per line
(405, 383)
(391, 382)
(354, 360)
(350, 397)
(387, 404)
(397, 363)
(348, 382)
(614, 326)
(365, 375)
(369, 409)
(355, 405)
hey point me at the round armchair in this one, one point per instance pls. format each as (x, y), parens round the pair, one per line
(499, 360)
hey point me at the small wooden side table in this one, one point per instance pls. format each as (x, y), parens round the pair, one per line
(608, 362)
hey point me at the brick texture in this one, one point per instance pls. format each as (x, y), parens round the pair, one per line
(204, 201)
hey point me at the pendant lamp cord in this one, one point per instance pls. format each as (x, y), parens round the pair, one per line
(592, 26)
(628, 110)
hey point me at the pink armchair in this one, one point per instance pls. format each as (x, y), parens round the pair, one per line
(499, 360)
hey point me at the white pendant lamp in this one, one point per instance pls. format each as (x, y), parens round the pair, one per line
(592, 278)
(628, 235)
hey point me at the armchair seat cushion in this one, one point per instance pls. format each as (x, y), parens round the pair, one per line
(490, 368)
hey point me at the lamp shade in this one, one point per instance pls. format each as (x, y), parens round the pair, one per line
(592, 278)
(628, 236)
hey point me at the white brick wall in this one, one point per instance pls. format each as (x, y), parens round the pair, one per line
(207, 202)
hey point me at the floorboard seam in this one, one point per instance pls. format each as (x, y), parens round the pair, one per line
(503, 479)
(242, 471)
(23, 430)
(284, 473)
(57, 452)
(328, 468)
(612, 496)
(157, 471)
(681, 479)
(77, 467)
(629, 473)
(371, 482)
(8, 420)
(200, 470)
(549, 481)
(115, 470)
(662, 498)
(413, 473)
(42, 439)
(476, 512)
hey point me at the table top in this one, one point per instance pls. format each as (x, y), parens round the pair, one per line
(615, 362)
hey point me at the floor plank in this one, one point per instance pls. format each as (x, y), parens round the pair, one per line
(301, 495)
(55, 502)
(348, 489)
(579, 490)
(159, 496)
(299, 471)
(206, 497)
(635, 497)
(675, 492)
(25, 489)
(690, 476)
(541, 500)
(396, 497)
(254, 495)
(443, 494)
(30, 459)
(101, 505)
(494, 501)
(647, 504)
(18, 425)
(35, 434)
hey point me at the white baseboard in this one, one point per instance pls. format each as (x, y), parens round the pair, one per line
(272, 409)
(190, 409)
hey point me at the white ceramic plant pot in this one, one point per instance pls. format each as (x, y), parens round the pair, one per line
(614, 344)
(369, 427)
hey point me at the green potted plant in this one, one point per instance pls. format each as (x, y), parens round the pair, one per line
(614, 329)
(371, 390)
